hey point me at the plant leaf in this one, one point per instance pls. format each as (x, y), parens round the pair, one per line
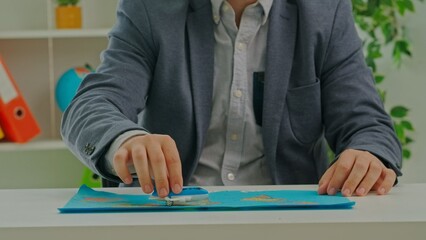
(382, 94)
(401, 6)
(374, 50)
(399, 112)
(409, 5)
(67, 2)
(379, 78)
(400, 133)
(406, 153)
(407, 125)
(388, 31)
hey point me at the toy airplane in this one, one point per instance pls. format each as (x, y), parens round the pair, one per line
(188, 194)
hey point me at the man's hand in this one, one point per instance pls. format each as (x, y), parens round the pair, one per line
(356, 173)
(152, 155)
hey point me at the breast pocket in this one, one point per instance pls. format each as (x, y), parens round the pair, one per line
(304, 105)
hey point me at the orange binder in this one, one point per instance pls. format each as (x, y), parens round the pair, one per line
(16, 119)
(1, 134)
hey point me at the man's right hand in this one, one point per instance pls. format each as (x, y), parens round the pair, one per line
(153, 156)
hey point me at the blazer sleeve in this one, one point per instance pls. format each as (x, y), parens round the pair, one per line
(108, 101)
(353, 114)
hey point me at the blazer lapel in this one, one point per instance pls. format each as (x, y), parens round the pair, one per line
(201, 55)
(279, 59)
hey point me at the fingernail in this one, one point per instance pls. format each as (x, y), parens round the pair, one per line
(331, 191)
(321, 190)
(360, 191)
(347, 192)
(177, 188)
(147, 189)
(382, 190)
(128, 180)
(163, 192)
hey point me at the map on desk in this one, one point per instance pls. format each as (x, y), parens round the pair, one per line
(88, 200)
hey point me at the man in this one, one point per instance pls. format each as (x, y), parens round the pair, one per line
(234, 92)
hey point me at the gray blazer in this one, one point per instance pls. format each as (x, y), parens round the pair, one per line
(159, 63)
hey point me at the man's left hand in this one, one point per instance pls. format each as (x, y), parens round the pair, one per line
(357, 173)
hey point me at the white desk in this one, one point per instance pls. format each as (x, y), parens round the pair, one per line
(33, 214)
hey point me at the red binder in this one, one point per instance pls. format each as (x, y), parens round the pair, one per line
(16, 119)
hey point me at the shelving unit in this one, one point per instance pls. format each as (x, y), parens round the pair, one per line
(37, 54)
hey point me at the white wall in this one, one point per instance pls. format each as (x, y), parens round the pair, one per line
(407, 86)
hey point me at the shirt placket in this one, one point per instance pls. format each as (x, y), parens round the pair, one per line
(250, 24)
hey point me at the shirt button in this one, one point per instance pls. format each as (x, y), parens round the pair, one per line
(241, 46)
(234, 137)
(225, 8)
(238, 93)
(216, 18)
(231, 177)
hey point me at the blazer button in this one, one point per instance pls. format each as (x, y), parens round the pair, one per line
(89, 149)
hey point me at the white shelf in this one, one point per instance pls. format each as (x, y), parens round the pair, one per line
(37, 54)
(44, 34)
(33, 146)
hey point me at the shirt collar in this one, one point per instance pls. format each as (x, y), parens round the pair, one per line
(217, 4)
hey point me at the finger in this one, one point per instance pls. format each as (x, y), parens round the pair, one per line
(342, 171)
(140, 160)
(173, 163)
(359, 170)
(325, 179)
(388, 181)
(159, 168)
(121, 158)
(378, 182)
(372, 176)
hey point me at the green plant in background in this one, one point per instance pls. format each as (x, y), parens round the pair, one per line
(67, 2)
(381, 21)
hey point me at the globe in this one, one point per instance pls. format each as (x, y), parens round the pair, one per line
(68, 84)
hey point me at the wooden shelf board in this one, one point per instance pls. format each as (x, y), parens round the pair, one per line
(40, 145)
(45, 34)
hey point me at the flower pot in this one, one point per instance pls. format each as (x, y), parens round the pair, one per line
(68, 17)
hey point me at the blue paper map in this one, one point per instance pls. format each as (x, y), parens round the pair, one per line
(88, 200)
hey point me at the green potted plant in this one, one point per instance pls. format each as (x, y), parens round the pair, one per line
(382, 28)
(380, 20)
(68, 14)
